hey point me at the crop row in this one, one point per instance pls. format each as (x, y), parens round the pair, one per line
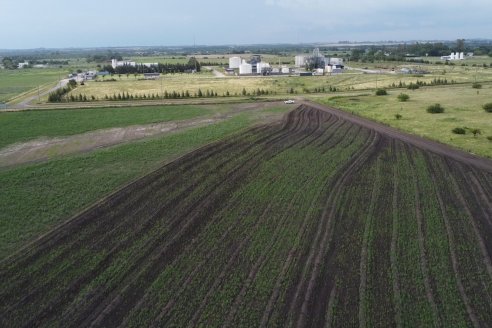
(312, 221)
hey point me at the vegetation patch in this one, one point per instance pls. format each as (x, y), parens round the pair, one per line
(435, 109)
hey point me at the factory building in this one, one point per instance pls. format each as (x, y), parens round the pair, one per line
(234, 62)
(245, 68)
(115, 63)
(300, 60)
(454, 56)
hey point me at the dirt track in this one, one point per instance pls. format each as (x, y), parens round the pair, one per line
(43, 149)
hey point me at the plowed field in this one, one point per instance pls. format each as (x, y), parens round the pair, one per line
(318, 220)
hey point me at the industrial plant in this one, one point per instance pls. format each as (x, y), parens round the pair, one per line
(305, 65)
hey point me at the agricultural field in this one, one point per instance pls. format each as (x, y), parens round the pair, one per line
(320, 219)
(41, 192)
(16, 82)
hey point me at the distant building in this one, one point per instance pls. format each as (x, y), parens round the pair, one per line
(234, 62)
(454, 56)
(245, 68)
(89, 75)
(115, 63)
(22, 65)
(152, 76)
(300, 60)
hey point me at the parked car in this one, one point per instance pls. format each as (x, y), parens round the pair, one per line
(290, 101)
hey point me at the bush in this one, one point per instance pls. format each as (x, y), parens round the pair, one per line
(488, 107)
(489, 138)
(476, 85)
(381, 92)
(403, 97)
(459, 131)
(413, 86)
(435, 109)
(398, 116)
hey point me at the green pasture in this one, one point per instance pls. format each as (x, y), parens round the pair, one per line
(16, 82)
(463, 108)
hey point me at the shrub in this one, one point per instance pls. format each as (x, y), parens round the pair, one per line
(398, 116)
(488, 107)
(435, 109)
(459, 131)
(381, 92)
(476, 85)
(413, 86)
(403, 97)
(489, 138)
(475, 132)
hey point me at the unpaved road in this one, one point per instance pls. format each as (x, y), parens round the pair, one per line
(26, 102)
(43, 149)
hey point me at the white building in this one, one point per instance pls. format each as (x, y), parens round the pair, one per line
(300, 60)
(22, 65)
(285, 70)
(454, 56)
(245, 68)
(261, 66)
(115, 63)
(234, 62)
(335, 61)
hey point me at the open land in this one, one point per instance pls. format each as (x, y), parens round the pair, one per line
(319, 219)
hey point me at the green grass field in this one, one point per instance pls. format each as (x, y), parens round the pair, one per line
(15, 82)
(463, 108)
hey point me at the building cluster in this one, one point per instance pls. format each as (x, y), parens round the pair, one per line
(319, 64)
(116, 63)
(315, 64)
(254, 66)
(457, 56)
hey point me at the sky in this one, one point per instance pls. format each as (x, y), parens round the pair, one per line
(28, 24)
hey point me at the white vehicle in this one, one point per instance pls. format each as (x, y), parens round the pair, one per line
(290, 101)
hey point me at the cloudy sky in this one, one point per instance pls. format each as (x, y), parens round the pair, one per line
(97, 23)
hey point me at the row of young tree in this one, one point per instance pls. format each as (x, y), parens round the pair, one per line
(59, 94)
(191, 65)
(418, 83)
(125, 96)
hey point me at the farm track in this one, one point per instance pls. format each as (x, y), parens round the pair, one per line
(299, 223)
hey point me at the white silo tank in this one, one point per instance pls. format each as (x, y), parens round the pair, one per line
(260, 66)
(300, 60)
(245, 69)
(234, 62)
(462, 55)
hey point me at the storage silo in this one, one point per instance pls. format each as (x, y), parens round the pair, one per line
(260, 66)
(234, 62)
(245, 69)
(300, 60)
(462, 55)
